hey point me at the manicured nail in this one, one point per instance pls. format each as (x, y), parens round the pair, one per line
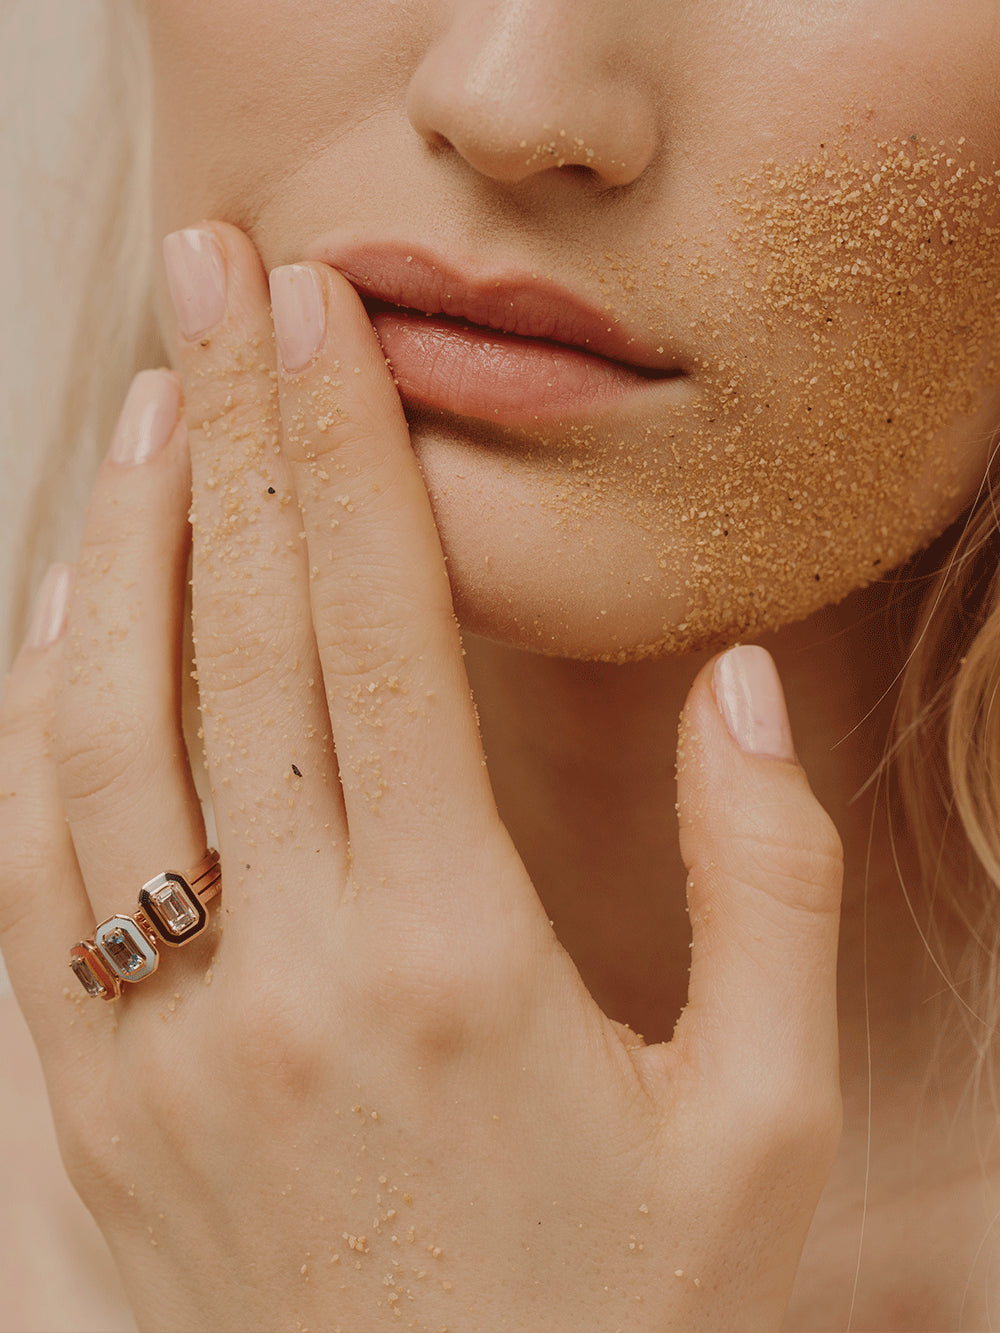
(299, 314)
(196, 277)
(48, 616)
(147, 419)
(752, 702)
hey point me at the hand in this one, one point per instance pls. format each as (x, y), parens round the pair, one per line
(376, 1094)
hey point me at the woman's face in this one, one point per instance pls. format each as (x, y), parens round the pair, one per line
(714, 289)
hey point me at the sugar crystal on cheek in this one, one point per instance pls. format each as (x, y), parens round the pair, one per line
(857, 302)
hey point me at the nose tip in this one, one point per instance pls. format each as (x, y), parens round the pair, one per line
(526, 89)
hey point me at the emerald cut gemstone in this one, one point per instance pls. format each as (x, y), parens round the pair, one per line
(120, 947)
(86, 976)
(128, 952)
(174, 910)
(91, 969)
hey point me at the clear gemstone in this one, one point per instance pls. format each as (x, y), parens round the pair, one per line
(177, 913)
(87, 977)
(121, 949)
(127, 952)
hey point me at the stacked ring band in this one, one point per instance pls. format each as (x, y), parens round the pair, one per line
(127, 948)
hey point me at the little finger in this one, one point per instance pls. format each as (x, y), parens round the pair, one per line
(44, 908)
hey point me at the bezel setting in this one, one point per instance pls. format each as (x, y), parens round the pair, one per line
(126, 948)
(173, 908)
(91, 969)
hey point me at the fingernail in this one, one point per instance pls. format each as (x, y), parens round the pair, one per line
(752, 702)
(196, 277)
(147, 418)
(48, 616)
(299, 314)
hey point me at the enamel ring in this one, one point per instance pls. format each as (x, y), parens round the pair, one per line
(172, 910)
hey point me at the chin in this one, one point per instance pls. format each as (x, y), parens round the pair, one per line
(571, 564)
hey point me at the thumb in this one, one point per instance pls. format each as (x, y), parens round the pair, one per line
(765, 867)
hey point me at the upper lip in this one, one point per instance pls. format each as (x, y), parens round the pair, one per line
(521, 304)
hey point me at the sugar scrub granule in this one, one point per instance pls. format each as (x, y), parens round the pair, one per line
(870, 273)
(819, 444)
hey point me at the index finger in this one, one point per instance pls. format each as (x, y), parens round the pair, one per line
(403, 719)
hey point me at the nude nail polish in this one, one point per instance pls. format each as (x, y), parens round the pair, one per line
(48, 616)
(752, 702)
(147, 419)
(196, 277)
(299, 314)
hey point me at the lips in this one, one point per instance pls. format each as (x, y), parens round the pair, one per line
(513, 349)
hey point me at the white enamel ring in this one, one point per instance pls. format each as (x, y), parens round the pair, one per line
(171, 911)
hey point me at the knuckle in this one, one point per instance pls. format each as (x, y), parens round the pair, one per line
(233, 444)
(799, 861)
(233, 423)
(422, 1009)
(111, 527)
(273, 1048)
(100, 756)
(27, 711)
(336, 431)
(431, 999)
(27, 859)
(20, 727)
(378, 630)
(248, 649)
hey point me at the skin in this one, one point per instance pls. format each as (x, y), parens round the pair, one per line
(307, 1168)
(454, 91)
(632, 228)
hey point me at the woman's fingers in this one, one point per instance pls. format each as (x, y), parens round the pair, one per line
(765, 873)
(267, 732)
(124, 771)
(44, 908)
(403, 719)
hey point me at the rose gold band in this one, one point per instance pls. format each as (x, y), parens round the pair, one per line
(206, 877)
(172, 911)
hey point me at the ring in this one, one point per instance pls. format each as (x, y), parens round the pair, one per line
(127, 948)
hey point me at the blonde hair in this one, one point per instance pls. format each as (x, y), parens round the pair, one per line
(93, 196)
(944, 751)
(76, 156)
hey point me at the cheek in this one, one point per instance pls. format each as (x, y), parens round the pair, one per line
(248, 91)
(873, 284)
(845, 391)
(844, 299)
(849, 385)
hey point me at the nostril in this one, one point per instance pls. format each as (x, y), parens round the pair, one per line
(577, 169)
(436, 141)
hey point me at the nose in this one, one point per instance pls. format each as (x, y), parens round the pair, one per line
(522, 87)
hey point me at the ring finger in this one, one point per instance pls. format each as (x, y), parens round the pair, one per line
(124, 772)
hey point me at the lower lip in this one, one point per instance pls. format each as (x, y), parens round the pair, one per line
(447, 366)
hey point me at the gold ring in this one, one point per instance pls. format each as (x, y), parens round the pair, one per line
(127, 948)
